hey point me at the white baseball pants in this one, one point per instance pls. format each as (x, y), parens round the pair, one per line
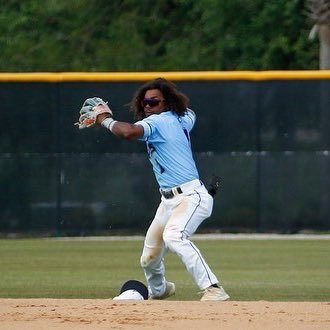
(175, 221)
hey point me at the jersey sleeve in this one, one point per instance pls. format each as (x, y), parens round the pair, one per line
(189, 119)
(147, 128)
(152, 128)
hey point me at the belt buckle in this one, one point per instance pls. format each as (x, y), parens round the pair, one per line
(168, 194)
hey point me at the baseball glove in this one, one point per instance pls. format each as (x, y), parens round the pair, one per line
(91, 108)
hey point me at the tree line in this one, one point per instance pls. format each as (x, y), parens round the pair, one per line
(163, 35)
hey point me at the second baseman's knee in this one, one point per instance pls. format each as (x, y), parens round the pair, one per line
(145, 261)
(150, 257)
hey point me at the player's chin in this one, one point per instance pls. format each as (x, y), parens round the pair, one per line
(148, 113)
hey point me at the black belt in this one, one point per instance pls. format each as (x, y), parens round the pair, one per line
(170, 193)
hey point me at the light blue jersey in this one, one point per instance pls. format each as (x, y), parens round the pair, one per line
(169, 148)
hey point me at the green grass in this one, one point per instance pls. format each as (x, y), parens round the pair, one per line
(290, 270)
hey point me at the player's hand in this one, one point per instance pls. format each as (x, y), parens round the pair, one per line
(91, 109)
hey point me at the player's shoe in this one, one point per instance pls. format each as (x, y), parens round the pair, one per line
(215, 294)
(169, 291)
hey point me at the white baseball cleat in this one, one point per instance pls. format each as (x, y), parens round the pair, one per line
(215, 294)
(169, 291)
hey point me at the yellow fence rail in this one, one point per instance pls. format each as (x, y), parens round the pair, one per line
(173, 75)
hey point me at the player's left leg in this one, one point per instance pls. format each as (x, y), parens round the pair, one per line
(188, 212)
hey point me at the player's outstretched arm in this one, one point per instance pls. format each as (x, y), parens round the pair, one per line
(96, 111)
(122, 129)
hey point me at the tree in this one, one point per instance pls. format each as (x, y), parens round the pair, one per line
(320, 14)
(166, 35)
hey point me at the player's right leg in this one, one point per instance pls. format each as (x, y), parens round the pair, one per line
(187, 214)
(152, 258)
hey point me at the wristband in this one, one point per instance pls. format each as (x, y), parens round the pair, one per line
(108, 123)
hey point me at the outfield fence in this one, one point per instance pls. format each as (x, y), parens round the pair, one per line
(266, 134)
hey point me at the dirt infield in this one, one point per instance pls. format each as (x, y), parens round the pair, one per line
(40, 314)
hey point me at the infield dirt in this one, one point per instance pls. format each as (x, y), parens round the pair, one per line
(42, 314)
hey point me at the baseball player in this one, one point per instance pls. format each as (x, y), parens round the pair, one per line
(164, 124)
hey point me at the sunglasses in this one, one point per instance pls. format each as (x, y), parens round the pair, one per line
(151, 102)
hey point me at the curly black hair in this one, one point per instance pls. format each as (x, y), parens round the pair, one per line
(175, 100)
